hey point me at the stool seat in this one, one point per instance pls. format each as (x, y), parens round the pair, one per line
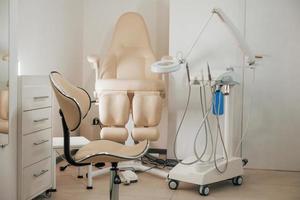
(129, 85)
(109, 151)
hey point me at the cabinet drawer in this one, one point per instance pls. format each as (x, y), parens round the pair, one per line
(36, 178)
(36, 120)
(36, 147)
(34, 97)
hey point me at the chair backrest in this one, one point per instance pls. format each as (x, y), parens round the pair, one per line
(74, 102)
(130, 51)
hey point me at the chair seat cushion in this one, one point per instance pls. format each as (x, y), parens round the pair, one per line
(109, 151)
(3, 126)
(129, 85)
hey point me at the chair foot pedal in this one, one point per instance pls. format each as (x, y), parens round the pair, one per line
(80, 177)
(89, 187)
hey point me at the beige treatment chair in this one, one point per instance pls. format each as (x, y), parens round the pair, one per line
(125, 70)
(74, 105)
(4, 111)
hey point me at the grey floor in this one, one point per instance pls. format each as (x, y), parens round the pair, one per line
(258, 185)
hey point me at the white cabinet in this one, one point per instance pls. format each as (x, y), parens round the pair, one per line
(34, 136)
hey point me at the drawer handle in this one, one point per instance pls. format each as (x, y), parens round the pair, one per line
(41, 142)
(40, 97)
(41, 173)
(40, 120)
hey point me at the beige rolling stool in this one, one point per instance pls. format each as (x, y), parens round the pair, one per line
(75, 103)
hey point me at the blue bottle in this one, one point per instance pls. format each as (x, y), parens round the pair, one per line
(218, 103)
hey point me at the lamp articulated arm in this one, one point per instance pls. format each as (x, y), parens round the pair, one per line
(237, 35)
(170, 64)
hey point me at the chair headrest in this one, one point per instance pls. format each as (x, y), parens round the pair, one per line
(131, 31)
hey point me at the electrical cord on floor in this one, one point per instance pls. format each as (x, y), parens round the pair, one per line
(157, 162)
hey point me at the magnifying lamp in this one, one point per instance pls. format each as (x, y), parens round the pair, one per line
(166, 66)
(172, 65)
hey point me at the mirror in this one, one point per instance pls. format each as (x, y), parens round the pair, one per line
(4, 74)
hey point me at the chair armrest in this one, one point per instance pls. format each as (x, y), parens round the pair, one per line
(167, 58)
(94, 61)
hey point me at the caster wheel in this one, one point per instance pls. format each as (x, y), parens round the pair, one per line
(245, 162)
(117, 180)
(173, 184)
(89, 187)
(127, 182)
(48, 194)
(237, 180)
(62, 168)
(86, 175)
(204, 190)
(80, 177)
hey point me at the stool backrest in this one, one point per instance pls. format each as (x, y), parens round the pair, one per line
(74, 102)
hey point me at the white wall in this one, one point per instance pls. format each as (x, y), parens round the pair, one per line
(273, 139)
(100, 17)
(50, 38)
(4, 21)
(217, 47)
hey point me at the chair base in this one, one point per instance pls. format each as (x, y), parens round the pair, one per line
(130, 165)
(115, 181)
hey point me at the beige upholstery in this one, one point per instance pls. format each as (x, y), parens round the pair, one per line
(4, 111)
(69, 99)
(129, 85)
(130, 51)
(114, 108)
(110, 151)
(114, 134)
(4, 104)
(146, 108)
(141, 134)
(4, 126)
(127, 64)
(126, 68)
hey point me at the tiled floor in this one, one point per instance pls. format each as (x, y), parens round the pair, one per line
(258, 185)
